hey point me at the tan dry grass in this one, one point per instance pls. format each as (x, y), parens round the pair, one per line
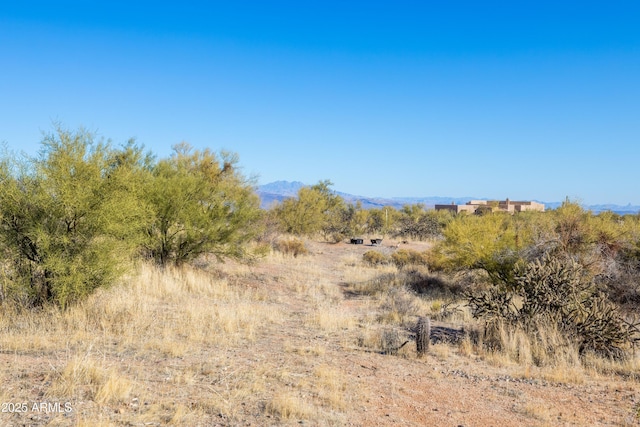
(537, 411)
(329, 318)
(288, 405)
(179, 346)
(331, 387)
(167, 313)
(312, 350)
(86, 377)
(94, 422)
(176, 305)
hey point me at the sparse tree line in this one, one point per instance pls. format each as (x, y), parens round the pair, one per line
(318, 211)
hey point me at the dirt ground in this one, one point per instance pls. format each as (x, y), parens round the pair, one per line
(454, 390)
(344, 382)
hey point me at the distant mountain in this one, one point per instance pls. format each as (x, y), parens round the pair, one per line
(277, 191)
(284, 188)
(399, 202)
(622, 210)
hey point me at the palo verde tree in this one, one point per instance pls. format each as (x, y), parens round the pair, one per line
(356, 219)
(200, 204)
(303, 215)
(483, 242)
(69, 218)
(382, 221)
(317, 209)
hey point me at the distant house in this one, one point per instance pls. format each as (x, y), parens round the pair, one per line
(484, 206)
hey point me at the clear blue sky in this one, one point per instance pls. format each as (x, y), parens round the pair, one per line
(520, 99)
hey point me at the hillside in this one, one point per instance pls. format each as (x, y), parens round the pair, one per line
(286, 341)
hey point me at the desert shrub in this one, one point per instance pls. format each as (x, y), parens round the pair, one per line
(390, 340)
(294, 247)
(317, 209)
(554, 291)
(303, 215)
(375, 258)
(343, 220)
(405, 257)
(419, 224)
(376, 286)
(398, 304)
(381, 221)
(422, 282)
(489, 243)
(268, 228)
(625, 291)
(601, 328)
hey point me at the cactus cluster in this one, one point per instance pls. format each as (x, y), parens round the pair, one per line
(555, 291)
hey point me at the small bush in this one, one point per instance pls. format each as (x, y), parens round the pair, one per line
(404, 257)
(293, 247)
(377, 285)
(398, 305)
(375, 258)
(390, 340)
(435, 285)
(386, 340)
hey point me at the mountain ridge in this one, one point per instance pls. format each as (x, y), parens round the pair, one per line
(277, 191)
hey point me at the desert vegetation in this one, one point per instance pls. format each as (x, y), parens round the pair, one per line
(74, 217)
(144, 291)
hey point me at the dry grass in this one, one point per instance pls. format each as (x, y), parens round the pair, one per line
(86, 378)
(291, 247)
(328, 318)
(331, 387)
(156, 315)
(315, 350)
(537, 411)
(288, 405)
(287, 339)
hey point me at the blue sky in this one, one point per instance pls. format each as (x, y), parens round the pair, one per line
(526, 100)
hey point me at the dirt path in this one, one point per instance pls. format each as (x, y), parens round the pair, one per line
(453, 390)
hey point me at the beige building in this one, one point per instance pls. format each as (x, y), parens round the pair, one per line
(482, 206)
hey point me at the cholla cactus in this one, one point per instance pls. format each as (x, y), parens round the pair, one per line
(602, 329)
(551, 288)
(555, 291)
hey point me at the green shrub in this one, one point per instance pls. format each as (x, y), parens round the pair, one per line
(375, 258)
